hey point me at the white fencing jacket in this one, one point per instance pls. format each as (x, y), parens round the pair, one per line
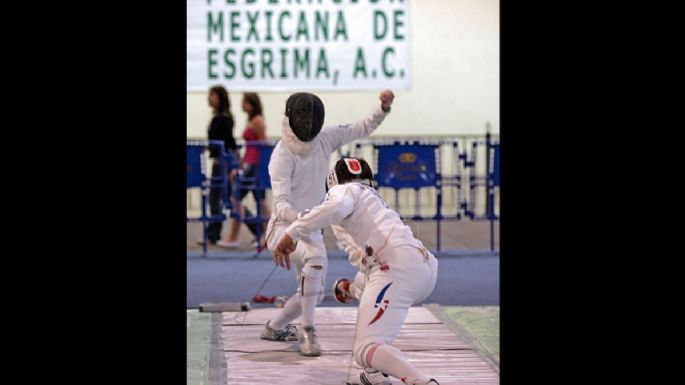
(298, 170)
(360, 214)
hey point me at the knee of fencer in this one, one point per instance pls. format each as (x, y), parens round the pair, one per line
(314, 267)
(314, 270)
(315, 273)
(363, 350)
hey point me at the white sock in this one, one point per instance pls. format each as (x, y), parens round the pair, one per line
(291, 310)
(311, 290)
(390, 360)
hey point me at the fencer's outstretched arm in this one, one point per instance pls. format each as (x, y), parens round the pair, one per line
(336, 136)
(338, 204)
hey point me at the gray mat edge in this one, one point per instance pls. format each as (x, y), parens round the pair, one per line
(218, 374)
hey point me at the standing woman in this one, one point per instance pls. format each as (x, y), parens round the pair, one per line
(255, 130)
(220, 128)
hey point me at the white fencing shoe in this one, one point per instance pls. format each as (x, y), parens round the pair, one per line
(309, 342)
(370, 377)
(410, 381)
(289, 333)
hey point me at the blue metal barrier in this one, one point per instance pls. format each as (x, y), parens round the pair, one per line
(468, 174)
(406, 166)
(196, 177)
(259, 183)
(412, 166)
(495, 171)
(263, 178)
(492, 167)
(464, 171)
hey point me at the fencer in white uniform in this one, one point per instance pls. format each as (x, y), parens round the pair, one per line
(298, 168)
(396, 270)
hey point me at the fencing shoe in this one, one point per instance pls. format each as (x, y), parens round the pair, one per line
(410, 381)
(288, 333)
(309, 342)
(370, 377)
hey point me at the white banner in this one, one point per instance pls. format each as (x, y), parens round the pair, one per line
(294, 45)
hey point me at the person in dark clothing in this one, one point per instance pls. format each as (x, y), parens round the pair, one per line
(255, 130)
(220, 128)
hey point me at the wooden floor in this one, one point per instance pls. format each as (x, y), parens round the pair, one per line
(428, 343)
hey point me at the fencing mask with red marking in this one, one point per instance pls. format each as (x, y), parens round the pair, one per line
(350, 169)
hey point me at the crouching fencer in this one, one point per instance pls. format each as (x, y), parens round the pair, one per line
(395, 269)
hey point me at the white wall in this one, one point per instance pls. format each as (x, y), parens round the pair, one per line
(454, 71)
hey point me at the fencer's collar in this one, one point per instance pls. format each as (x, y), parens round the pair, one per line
(366, 182)
(291, 141)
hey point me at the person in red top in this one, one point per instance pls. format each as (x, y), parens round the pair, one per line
(255, 130)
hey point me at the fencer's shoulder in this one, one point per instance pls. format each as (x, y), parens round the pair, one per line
(358, 187)
(281, 155)
(338, 189)
(347, 190)
(280, 146)
(338, 192)
(281, 150)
